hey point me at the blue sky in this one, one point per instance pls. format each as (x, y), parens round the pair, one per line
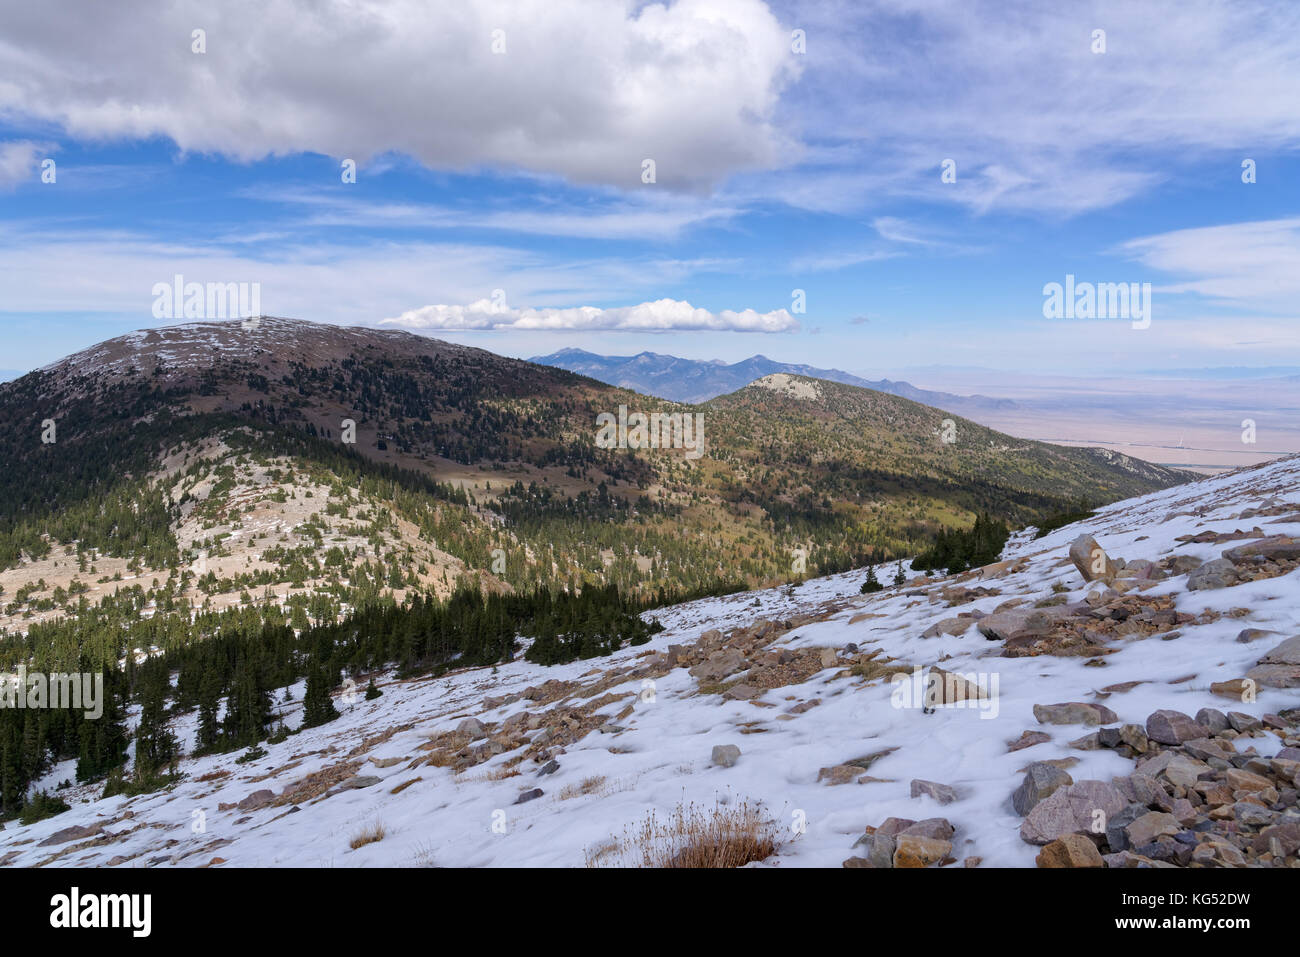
(513, 161)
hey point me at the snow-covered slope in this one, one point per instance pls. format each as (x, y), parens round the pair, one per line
(635, 732)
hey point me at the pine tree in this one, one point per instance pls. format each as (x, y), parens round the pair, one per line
(317, 706)
(371, 691)
(871, 585)
(209, 732)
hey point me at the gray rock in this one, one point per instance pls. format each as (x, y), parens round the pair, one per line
(256, 799)
(473, 727)
(1041, 779)
(1242, 722)
(358, 781)
(1273, 548)
(1247, 635)
(550, 767)
(1287, 653)
(530, 795)
(1074, 712)
(938, 828)
(1075, 807)
(1172, 727)
(943, 793)
(1117, 826)
(1275, 676)
(725, 755)
(1213, 719)
(1219, 573)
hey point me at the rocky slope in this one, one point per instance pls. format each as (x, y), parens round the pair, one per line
(1120, 693)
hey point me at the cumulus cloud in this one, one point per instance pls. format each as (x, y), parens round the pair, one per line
(585, 90)
(662, 315)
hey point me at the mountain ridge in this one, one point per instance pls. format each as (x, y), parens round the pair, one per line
(694, 380)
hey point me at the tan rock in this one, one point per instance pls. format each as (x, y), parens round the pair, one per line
(1070, 850)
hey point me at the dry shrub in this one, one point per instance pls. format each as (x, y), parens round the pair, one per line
(588, 786)
(722, 836)
(404, 785)
(368, 835)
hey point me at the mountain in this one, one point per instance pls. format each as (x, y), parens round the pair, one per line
(978, 720)
(691, 380)
(206, 441)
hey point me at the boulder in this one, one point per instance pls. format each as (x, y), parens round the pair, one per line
(719, 665)
(943, 793)
(914, 850)
(1075, 807)
(1070, 850)
(473, 727)
(1274, 548)
(1091, 560)
(1150, 826)
(1275, 676)
(1287, 653)
(1182, 564)
(938, 828)
(256, 799)
(1212, 718)
(725, 755)
(1028, 739)
(1172, 727)
(948, 626)
(1041, 779)
(1074, 712)
(1219, 573)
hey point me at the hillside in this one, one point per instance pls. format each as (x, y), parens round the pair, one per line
(218, 452)
(1163, 695)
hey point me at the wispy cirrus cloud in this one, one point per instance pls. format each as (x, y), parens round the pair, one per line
(606, 216)
(1250, 264)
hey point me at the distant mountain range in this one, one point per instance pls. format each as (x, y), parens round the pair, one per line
(694, 380)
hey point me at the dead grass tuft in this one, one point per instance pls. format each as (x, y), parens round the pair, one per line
(723, 836)
(588, 786)
(371, 834)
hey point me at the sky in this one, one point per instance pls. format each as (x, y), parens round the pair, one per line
(869, 186)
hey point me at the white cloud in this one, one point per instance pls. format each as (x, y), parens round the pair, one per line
(1252, 263)
(75, 270)
(662, 315)
(1034, 120)
(18, 161)
(583, 90)
(634, 217)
